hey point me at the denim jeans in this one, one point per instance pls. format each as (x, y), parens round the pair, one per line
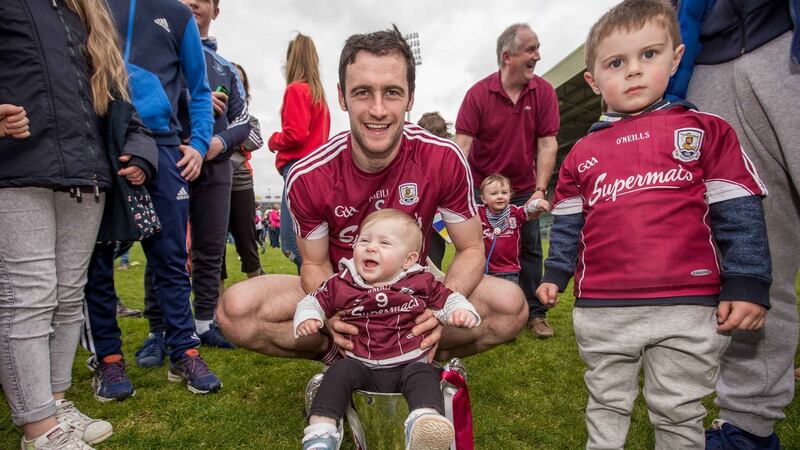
(45, 245)
(288, 242)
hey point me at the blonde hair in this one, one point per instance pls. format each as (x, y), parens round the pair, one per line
(413, 234)
(631, 15)
(109, 78)
(496, 178)
(302, 64)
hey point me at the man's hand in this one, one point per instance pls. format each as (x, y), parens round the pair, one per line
(548, 294)
(308, 327)
(191, 162)
(135, 175)
(463, 319)
(14, 122)
(337, 328)
(214, 148)
(220, 102)
(541, 206)
(740, 315)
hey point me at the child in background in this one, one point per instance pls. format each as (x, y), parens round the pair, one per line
(643, 204)
(502, 223)
(382, 290)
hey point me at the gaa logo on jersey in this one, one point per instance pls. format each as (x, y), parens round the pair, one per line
(687, 144)
(408, 194)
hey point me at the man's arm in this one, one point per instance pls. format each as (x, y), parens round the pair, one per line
(546, 150)
(464, 142)
(316, 266)
(465, 272)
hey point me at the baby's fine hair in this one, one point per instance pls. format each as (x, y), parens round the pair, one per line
(496, 178)
(631, 15)
(413, 234)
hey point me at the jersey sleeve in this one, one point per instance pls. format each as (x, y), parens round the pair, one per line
(517, 212)
(238, 117)
(727, 171)
(318, 305)
(457, 201)
(568, 199)
(306, 212)
(468, 118)
(548, 119)
(444, 302)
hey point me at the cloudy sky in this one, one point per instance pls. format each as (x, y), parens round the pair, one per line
(457, 41)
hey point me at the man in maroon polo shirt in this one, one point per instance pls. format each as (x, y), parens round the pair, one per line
(507, 124)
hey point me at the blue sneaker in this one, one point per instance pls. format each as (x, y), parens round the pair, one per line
(214, 338)
(153, 351)
(192, 369)
(322, 436)
(110, 382)
(426, 429)
(725, 436)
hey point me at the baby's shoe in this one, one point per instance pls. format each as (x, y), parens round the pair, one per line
(322, 436)
(426, 429)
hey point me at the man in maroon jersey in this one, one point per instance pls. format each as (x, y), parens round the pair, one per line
(380, 163)
(507, 124)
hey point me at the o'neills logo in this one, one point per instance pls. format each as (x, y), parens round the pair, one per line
(638, 182)
(633, 137)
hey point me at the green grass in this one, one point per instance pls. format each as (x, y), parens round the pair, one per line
(527, 394)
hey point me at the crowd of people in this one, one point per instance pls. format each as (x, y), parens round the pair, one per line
(676, 216)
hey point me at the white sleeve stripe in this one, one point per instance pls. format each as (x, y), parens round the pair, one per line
(721, 190)
(319, 232)
(318, 153)
(572, 205)
(751, 168)
(450, 216)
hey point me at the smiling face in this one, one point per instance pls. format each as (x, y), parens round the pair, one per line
(204, 12)
(382, 250)
(496, 195)
(519, 65)
(376, 100)
(632, 67)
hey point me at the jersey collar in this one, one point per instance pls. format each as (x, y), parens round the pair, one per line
(348, 265)
(607, 119)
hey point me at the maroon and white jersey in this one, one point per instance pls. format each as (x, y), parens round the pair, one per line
(502, 243)
(329, 195)
(643, 185)
(383, 315)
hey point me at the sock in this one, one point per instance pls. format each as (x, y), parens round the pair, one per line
(53, 433)
(319, 430)
(421, 411)
(330, 354)
(202, 325)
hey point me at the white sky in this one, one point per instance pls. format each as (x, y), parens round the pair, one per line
(457, 42)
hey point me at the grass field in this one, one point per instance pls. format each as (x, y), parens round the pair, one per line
(527, 394)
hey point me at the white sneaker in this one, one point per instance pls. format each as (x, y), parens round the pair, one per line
(59, 437)
(426, 429)
(83, 427)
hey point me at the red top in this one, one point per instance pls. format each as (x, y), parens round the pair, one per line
(330, 196)
(305, 125)
(504, 257)
(643, 186)
(505, 134)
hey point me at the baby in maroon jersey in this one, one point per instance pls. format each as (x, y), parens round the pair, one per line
(502, 225)
(382, 290)
(658, 218)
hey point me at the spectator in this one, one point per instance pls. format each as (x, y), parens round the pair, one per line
(274, 217)
(507, 124)
(54, 162)
(305, 122)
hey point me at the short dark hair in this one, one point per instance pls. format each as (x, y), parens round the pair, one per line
(435, 123)
(379, 43)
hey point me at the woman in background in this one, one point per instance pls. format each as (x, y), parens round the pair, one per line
(305, 122)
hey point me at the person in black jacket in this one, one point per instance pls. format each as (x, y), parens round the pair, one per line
(62, 69)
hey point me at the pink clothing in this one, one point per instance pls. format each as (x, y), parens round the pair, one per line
(505, 134)
(274, 217)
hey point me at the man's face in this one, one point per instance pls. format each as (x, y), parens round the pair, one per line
(521, 63)
(632, 68)
(204, 12)
(376, 100)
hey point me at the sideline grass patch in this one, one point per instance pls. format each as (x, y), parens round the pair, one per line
(527, 394)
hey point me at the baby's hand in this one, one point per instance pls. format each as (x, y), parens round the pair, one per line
(308, 327)
(548, 294)
(462, 318)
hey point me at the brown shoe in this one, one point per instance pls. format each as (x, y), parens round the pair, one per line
(124, 311)
(540, 328)
(797, 374)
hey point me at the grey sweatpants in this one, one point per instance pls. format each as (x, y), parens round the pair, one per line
(46, 240)
(759, 94)
(678, 347)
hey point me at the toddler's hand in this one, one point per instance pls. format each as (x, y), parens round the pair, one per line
(548, 294)
(462, 318)
(308, 327)
(536, 207)
(740, 315)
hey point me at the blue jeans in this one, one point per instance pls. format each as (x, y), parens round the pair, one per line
(288, 242)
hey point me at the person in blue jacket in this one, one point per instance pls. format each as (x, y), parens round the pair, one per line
(742, 63)
(163, 55)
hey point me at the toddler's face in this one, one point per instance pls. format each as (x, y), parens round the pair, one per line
(633, 67)
(496, 195)
(381, 252)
